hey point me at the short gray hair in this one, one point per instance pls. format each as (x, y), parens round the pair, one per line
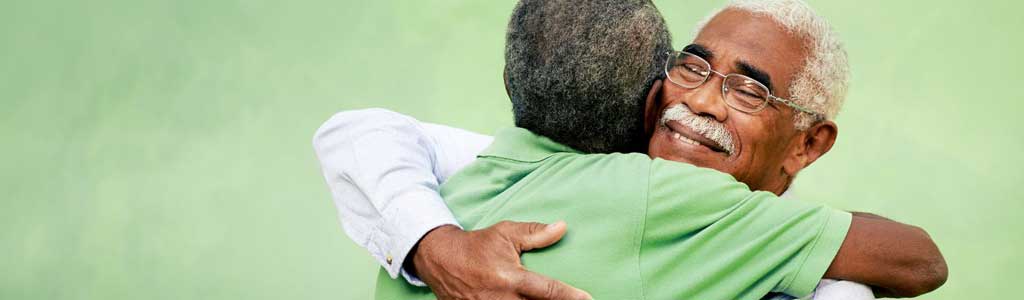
(579, 71)
(822, 83)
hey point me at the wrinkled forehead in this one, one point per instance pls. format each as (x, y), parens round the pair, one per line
(739, 37)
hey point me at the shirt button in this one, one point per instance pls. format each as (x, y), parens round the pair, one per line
(388, 259)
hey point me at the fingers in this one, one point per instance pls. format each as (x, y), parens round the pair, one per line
(529, 236)
(534, 286)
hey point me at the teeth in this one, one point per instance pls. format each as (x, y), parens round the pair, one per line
(683, 139)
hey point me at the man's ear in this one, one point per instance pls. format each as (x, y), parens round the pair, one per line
(651, 106)
(809, 145)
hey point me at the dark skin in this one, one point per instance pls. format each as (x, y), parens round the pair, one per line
(896, 259)
(731, 40)
(484, 264)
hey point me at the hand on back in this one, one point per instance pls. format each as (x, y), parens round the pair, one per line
(484, 264)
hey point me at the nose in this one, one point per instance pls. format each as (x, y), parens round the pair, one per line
(707, 100)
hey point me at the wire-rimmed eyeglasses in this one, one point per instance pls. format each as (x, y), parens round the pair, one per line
(739, 91)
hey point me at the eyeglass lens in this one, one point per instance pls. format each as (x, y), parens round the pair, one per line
(740, 92)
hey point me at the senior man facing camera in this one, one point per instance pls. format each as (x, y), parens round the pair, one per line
(750, 101)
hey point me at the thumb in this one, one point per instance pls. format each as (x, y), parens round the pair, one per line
(529, 236)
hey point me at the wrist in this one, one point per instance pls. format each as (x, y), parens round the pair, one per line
(419, 256)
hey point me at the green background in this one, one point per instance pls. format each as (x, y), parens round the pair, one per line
(161, 149)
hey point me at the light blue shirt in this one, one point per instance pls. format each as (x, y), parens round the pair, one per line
(383, 170)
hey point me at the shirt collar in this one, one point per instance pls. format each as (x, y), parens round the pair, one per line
(520, 144)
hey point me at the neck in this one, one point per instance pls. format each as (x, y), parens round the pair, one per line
(776, 186)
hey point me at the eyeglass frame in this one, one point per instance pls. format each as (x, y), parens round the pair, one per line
(674, 54)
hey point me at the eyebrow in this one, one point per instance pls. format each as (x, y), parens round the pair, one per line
(753, 72)
(699, 50)
(744, 67)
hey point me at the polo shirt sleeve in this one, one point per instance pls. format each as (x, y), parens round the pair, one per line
(707, 236)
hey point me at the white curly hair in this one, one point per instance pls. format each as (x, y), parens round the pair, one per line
(822, 83)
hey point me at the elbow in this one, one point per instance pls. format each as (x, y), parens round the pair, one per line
(360, 121)
(337, 122)
(325, 129)
(934, 275)
(933, 269)
(927, 273)
(347, 123)
(940, 278)
(928, 279)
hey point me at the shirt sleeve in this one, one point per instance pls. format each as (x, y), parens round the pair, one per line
(456, 148)
(383, 170)
(709, 230)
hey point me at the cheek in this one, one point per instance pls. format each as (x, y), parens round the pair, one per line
(759, 138)
(670, 95)
(768, 144)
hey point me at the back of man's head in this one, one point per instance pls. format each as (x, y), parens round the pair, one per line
(579, 71)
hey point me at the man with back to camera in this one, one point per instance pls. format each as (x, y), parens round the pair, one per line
(707, 116)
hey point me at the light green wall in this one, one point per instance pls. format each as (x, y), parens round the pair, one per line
(161, 149)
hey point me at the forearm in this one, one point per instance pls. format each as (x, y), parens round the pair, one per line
(896, 259)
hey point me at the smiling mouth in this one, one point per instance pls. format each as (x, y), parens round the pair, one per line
(687, 136)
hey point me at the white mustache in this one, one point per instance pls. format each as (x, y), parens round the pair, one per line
(706, 127)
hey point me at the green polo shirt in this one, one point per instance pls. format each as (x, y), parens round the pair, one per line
(642, 228)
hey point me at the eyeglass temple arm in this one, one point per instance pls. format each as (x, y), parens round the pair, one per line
(797, 107)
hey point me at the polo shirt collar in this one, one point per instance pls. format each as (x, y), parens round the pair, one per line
(520, 144)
